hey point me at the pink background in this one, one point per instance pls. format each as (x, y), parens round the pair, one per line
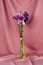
(33, 31)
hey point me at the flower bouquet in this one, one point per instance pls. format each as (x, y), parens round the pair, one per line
(21, 18)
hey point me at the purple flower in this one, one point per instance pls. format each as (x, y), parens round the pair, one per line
(26, 16)
(22, 16)
(19, 16)
(15, 17)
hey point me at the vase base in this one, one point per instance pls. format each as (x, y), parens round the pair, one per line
(24, 56)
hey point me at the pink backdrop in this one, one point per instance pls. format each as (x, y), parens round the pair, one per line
(33, 31)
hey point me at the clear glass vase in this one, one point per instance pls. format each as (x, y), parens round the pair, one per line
(22, 53)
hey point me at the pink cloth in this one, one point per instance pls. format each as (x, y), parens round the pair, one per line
(33, 31)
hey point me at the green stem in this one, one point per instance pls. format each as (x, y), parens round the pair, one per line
(21, 29)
